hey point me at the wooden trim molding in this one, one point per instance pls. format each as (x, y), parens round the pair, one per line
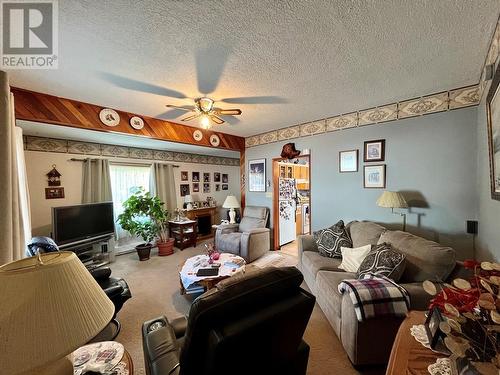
(49, 109)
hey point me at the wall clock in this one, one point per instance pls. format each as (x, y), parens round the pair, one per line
(109, 117)
(197, 135)
(136, 122)
(214, 140)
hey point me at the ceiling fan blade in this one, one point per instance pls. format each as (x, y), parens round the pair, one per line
(255, 100)
(228, 112)
(192, 117)
(216, 119)
(210, 63)
(136, 85)
(182, 107)
(171, 114)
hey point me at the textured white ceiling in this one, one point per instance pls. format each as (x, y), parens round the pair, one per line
(307, 59)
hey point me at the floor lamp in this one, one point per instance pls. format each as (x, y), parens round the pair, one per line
(392, 200)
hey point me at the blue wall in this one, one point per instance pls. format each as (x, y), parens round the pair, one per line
(431, 159)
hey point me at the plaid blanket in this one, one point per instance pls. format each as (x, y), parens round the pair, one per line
(376, 295)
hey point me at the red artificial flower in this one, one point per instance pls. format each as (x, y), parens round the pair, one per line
(471, 263)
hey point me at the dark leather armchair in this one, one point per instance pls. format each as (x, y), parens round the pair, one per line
(115, 288)
(249, 324)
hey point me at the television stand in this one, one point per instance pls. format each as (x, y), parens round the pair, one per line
(93, 253)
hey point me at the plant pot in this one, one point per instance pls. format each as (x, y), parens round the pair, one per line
(143, 251)
(165, 248)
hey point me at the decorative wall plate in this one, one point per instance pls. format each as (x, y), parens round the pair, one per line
(109, 117)
(197, 135)
(136, 122)
(214, 140)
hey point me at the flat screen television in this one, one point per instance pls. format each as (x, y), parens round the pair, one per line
(72, 224)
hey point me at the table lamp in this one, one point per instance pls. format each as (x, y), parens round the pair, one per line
(188, 199)
(231, 202)
(393, 200)
(50, 306)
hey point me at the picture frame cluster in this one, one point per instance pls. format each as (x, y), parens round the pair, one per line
(201, 182)
(374, 175)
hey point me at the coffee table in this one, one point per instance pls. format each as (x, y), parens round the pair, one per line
(188, 278)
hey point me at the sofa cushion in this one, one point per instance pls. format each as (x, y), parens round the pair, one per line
(328, 282)
(314, 262)
(248, 223)
(230, 242)
(425, 260)
(365, 233)
(383, 260)
(353, 257)
(330, 240)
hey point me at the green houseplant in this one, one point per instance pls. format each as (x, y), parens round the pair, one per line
(145, 217)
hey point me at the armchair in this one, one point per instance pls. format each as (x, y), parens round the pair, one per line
(246, 325)
(249, 239)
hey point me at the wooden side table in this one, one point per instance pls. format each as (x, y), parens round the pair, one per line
(184, 233)
(408, 356)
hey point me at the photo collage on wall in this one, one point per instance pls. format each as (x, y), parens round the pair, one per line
(209, 182)
(374, 175)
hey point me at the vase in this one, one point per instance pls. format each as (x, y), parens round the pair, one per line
(166, 248)
(143, 251)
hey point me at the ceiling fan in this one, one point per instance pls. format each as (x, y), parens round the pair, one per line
(204, 108)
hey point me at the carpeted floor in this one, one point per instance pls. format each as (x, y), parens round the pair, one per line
(155, 291)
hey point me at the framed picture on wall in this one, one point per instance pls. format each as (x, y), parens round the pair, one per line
(195, 176)
(348, 161)
(184, 190)
(184, 176)
(206, 188)
(217, 187)
(493, 118)
(257, 175)
(216, 177)
(374, 176)
(196, 187)
(375, 150)
(225, 186)
(206, 177)
(225, 178)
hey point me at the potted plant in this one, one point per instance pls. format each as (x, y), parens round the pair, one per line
(145, 217)
(164, 243)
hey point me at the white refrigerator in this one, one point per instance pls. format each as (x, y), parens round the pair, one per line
(287, 194)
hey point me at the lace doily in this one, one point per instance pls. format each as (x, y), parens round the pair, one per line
(419, 333)
(441, 367)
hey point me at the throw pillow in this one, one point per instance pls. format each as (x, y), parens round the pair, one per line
(352, 258)
(330, 240)
(383, 260)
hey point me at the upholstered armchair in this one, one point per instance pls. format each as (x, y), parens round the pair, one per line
(249, 239)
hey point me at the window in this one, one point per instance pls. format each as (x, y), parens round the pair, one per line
(123, 179)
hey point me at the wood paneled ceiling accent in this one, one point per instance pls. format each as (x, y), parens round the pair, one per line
(39, 107)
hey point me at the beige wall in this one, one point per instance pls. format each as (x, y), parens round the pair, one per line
(39, 163)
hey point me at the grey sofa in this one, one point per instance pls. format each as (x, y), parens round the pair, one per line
(249, 239)
(370, 342)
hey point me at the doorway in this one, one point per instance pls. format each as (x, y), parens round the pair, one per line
(291, 199)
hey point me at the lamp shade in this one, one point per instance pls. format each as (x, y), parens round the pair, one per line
(392, 199)
(188, 199)
(231, 202)
(49, 307)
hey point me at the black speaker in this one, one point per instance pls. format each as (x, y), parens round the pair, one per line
(472, 226)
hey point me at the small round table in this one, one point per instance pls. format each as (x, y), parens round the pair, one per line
(124, 366)
(208, 282)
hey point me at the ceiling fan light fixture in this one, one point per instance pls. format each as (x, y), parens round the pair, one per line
(205, 122)
(205, 104)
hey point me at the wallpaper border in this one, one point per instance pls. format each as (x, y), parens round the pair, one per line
(32, 143)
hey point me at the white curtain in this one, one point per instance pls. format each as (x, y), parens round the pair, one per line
(24, 195)
(124, 178)
(162, 185)
(11, 222)
(96, 181)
